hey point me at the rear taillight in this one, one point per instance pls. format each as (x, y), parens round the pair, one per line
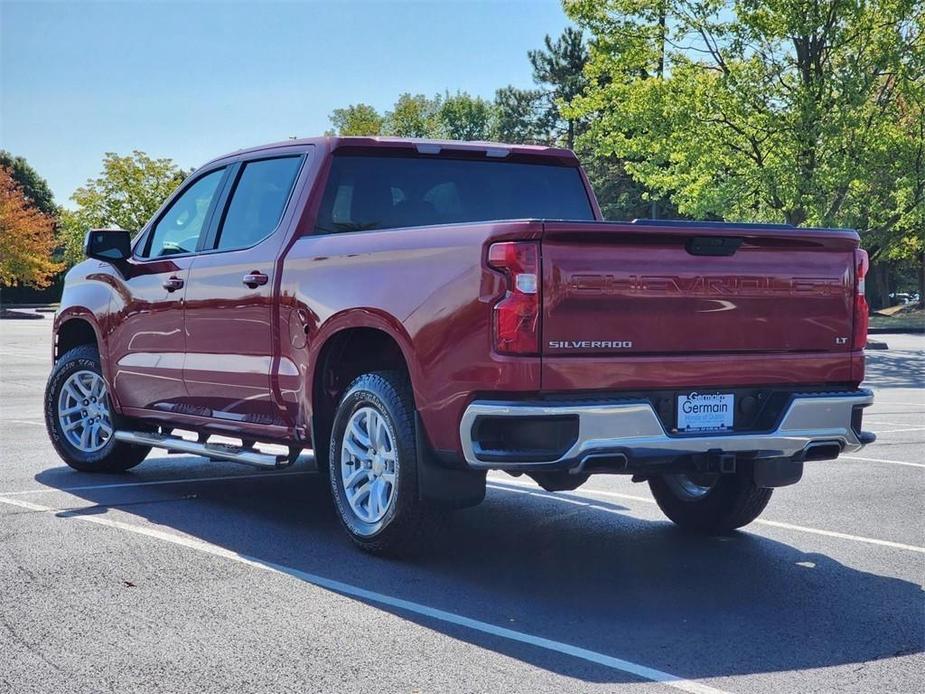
(861, 311)
(516, 318)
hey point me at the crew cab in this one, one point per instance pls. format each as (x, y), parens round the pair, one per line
(421, 312)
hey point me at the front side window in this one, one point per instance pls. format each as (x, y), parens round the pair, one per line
(179, 229)
(258, 201)
(386, 192)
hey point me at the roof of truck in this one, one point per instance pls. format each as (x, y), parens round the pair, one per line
(421, 146)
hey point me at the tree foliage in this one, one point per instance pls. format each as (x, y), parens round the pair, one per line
(522, 116)
(26, 237)
(803, 111)
(465, 117)
(457, 117)
(128, 192)
(33, 187)
(357, 119)
(413, 115)
(559, 67)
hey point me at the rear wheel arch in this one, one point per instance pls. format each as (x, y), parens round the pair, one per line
(345, 355)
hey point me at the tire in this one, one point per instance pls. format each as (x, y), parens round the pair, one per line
(378, 408)
(80, 369)
(710, 503)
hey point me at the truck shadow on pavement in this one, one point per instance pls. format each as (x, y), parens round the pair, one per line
(598, 577)
(895, 369)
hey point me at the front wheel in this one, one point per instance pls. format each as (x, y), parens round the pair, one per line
(710, 503)
(79, 419)
(373, 465)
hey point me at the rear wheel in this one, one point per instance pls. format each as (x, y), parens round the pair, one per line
(373, 465)
(79, 419)
(710, 503)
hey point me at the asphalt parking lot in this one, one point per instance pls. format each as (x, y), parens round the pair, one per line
(188, 575)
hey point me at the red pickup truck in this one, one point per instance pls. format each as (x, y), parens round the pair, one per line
(421, 312)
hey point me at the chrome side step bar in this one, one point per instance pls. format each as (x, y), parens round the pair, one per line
(214, 451)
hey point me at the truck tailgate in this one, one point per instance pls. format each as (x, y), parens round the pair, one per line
(627, 290)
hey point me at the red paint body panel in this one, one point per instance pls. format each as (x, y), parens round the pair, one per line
(249, 354)
(143, 328)
(696, 371)
(428, 288)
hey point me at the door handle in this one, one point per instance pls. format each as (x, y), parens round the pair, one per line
(172, 284)
(255, 279)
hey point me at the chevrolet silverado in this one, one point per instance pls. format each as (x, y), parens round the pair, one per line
(421, 312)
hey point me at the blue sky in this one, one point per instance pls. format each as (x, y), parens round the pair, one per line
(192, 80)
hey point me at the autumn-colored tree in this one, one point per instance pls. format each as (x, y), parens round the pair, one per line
(34, 187)
(26, 238)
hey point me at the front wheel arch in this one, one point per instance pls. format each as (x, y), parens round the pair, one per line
(74, 332)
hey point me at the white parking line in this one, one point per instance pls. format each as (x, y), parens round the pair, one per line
(882, 403)
(23, 421)
(881, 460)
(759, 521)
(640, 671)
(116, 485)
(893, 431)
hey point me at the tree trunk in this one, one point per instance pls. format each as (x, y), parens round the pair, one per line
(922, 280)
(877, 285)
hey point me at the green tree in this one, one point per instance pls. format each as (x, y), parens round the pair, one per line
(464, 117)
(128, 192)
(33, 187)
(803, 111)
(413, 116)
(559, 69)
(522, 116)
(357, 119)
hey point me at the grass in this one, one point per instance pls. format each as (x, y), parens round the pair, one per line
(905, 320)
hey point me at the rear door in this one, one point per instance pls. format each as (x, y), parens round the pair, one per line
(229, 298)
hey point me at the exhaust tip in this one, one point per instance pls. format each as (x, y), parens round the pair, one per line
(828, 450)
(602, 462)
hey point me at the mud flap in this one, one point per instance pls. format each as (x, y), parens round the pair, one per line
(445, 486)
(777, 472)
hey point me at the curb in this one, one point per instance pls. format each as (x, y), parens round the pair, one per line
(903, 331)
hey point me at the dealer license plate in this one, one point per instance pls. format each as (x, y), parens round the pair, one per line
(706, 411)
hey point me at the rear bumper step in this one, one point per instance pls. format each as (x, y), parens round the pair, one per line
(627, 435)
(215, 451)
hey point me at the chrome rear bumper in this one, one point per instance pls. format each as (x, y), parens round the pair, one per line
(633, 430)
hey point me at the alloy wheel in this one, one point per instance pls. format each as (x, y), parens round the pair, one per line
(368, 465)
(83, 411)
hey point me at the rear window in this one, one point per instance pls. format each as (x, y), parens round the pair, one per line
(366, 192)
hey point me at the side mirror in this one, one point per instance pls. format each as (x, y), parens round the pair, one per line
(111, 245)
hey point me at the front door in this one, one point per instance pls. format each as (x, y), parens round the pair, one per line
(229, 296)
(147, 341)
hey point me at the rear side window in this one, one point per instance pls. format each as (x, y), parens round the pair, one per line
(369, 192)
(257, 202)
(179, 229)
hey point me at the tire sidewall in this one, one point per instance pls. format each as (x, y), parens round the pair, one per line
(732, 502)
(83, 360)
(365, 393)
